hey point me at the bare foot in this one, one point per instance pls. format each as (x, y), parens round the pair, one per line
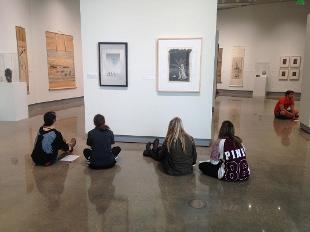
(72, 144)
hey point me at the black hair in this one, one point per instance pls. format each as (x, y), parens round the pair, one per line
(228, 131)
(8, 72)
(49, 118)
(99, 120)
(288, 92)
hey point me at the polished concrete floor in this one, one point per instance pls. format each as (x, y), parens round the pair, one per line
(137, 196)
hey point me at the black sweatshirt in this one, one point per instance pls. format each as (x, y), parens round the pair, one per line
(47, 145)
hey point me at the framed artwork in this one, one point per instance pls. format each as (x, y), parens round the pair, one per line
(295, 61)
(60, 60)
(285, 62)
(219, 65)
(113, 70)
(283, 75)
(178, 64)
(294, 74)
(22, 55)
(237, 67)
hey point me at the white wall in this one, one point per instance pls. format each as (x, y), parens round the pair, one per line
(305, 93)
(38, 16)
(267, 32)
(140, 110)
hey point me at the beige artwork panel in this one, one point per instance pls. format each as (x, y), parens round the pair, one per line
(60, 59)
(22, 55)
(237, 68)
(219, 66)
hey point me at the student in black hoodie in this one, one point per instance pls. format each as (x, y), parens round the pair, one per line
(100, 139)
(49, 141)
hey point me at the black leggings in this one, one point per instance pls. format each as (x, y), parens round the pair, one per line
(210, 169)
(88, 153)
(157, 154)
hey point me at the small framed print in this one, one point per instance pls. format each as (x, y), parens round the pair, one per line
(294, 74)
(285, 62)
(113, 64)
(178, 64)
(283, 75)
(295, 61)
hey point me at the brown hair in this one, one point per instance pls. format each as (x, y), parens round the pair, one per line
(227, 130)
(99, 120)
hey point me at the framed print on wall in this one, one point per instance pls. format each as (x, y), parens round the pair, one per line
(294, 74)
(285, 62)
(283, 74)
(295, 61)
(178, 64)
(113, 70)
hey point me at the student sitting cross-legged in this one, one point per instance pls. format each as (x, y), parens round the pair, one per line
(178, 152)
(228, 157)
(49, 141)
(100, 139)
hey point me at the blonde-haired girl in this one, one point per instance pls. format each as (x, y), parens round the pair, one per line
(178, 152)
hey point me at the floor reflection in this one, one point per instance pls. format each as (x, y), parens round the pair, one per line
(283, 129)
(51, 184)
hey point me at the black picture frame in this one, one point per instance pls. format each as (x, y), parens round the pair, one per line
(113, 65)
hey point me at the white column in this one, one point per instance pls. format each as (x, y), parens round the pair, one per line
(305, 87)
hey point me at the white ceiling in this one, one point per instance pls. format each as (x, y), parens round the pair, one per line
(227, 4)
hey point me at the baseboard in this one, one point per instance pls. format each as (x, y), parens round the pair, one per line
(145, 139)
(234, 93)
(305, 128)
(249, 94)
(277, 95)
(41, 108)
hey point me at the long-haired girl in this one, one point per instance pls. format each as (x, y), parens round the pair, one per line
(178, 153)
(228, 156)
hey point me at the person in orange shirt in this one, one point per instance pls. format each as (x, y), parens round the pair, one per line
(285, 107)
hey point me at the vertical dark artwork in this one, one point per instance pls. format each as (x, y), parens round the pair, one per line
(295, 61)
(179, 65)
(8, 75)
(284, 61)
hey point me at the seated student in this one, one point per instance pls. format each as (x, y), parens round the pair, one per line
(100, 139)
(285, 107)
(49, 141)
(228, 157)
(178, 153)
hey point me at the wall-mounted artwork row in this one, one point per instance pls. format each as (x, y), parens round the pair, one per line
(219, 65)
(178, 64)
(237, 68)
(290, 68)
(113, 69)
(60, 60)
(22, 55)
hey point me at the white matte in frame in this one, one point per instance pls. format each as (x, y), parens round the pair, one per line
(295, 61)
(163, 47)
(285, 62)
(283, 74)
(294, 74)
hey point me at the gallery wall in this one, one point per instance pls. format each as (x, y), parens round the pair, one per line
(267, 32)
(37, 17)
(139, 110)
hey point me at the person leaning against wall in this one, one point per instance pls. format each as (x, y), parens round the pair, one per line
(178, 152)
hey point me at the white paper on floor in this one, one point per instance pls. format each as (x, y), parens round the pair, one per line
(69, 158)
